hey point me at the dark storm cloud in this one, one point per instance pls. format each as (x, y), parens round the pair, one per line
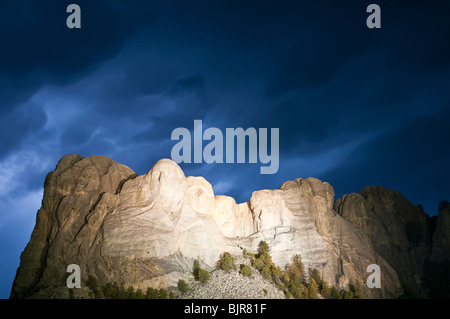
(14, 92)
(78, 132)
(37, 47)
(16, 125)
(36, 39)
(156, 115)
(413, 158)
(415, 33)
(340, 79)
(186, 85)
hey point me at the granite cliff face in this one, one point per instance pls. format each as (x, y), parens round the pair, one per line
(400, 232)
(147, 230)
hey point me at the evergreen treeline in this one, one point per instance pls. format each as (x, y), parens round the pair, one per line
(115, 291)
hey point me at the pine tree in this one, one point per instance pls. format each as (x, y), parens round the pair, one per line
(226, 262)
(152, 293)
(94, 285)
(313, 288)
(108, 291)
(196, 269)
(131, 293)
(305, 292)
(263, 248)
(293, 275)
(99, 293)
(183, 286)
(246, 270)
(140, 294)
(297, 272)
(122, 292)
(258, 264)
(200, 274)
(357, 289)
(275, 270)
(314, 273)
(325, 290)
(266, 259)
(296, 291)
(203, 275)
(163, 294)
(334, 293)
(288, 294)
(349, 295)
(266, 272)
(92, 282)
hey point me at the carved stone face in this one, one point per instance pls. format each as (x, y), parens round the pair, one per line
(269, 209)
(200, 195)
(168, 183)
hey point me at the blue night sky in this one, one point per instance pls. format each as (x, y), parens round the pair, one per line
(355, 106)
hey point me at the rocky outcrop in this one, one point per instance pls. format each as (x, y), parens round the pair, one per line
(147, 230)
(77, 196)
(299, 219)
(441, 236)
(400, 232)
(439, 262)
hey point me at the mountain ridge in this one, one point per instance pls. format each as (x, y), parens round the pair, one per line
(146, 230)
